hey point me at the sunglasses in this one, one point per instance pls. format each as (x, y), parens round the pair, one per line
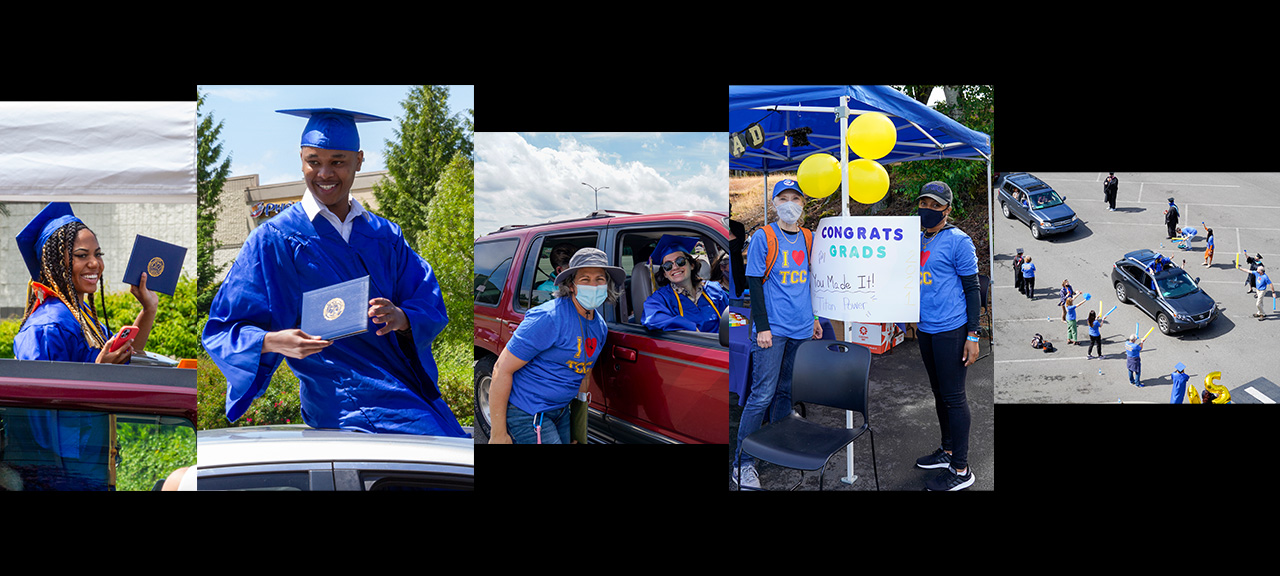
(679, 261)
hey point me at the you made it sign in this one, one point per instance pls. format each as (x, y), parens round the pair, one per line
(866, 269)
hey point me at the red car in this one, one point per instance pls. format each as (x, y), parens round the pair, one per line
(72, 426)
(649, 386)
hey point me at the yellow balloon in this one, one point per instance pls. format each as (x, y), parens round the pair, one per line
(871, 135)
(819, 175)
(868, 181)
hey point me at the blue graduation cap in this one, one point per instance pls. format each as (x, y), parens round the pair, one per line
(332, 128)
(671, 243)
(32, 238)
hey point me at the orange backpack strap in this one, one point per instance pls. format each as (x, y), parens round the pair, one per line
(771, 241)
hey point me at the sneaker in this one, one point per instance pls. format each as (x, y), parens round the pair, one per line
(949, 481)
(939, 459)
(750, 479)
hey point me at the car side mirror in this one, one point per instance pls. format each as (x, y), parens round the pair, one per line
(724, 329)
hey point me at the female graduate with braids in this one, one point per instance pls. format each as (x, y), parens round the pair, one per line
(60, 321)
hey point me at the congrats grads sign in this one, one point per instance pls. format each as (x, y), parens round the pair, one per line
(867, 269)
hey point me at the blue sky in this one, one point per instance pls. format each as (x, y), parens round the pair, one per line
(529, 178)
(264, 142)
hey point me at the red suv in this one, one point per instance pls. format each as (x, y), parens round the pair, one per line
(649, 386)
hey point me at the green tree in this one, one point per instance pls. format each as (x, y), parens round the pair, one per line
(973, 107)
(450, 216)
(428, 140)
(210, 176)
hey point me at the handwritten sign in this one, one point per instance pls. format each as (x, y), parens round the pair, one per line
(867, 269)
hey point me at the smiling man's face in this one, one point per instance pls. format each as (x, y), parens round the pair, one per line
(329, 174)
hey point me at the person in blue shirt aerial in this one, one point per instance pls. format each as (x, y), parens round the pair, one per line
(547, 363)
(781, 318)
(1208, 248)
(1180, 378)
(681, 300)
(950, 301)
(382, 380)
(1262, 283)
(1029, 277)
(1133, 359)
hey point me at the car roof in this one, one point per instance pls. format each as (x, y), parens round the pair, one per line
(1027, 182)
(164, 391)
(612, 217)
(1146, 256)
(300, 443)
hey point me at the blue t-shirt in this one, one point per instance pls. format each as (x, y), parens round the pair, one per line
(1071, 312)
(1132, 349)
(1262, 282)
(1095, 328)
(786, 290)
(559, 347)
(943, 260)
(1028, 270)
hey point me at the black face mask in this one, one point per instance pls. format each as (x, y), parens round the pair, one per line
(930, 218)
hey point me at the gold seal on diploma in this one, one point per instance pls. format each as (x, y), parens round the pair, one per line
(333, 309)
(155, 267)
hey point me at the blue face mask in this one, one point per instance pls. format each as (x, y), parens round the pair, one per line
(591, 297)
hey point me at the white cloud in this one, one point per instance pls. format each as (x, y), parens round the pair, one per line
(517, 182)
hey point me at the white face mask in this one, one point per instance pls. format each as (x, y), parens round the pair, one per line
(591, 297)
(789, 212)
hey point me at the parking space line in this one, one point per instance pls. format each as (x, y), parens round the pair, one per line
(1260, 396)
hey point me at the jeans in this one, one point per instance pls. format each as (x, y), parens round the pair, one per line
(943, 355)
(770, 388)
(521, 426)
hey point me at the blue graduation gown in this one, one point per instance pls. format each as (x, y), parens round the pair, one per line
(52, 333)
(365, 382)
(667, 310)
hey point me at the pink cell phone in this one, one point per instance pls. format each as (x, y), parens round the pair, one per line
(125, 334)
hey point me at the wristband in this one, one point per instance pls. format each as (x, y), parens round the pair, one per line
(972, 338)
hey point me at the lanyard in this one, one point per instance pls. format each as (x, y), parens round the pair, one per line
(695, 302)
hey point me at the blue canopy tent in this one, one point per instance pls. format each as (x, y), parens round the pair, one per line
(922, 132)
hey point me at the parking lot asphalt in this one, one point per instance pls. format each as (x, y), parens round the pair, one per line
(904, 424)
(1244, 212)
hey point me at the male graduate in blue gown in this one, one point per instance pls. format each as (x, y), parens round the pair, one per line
(381, 380)
(681, 300)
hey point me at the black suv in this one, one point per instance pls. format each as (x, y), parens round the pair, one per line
(1170, 296)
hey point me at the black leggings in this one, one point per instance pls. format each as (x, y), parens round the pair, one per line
(1095, 340)
(943, 355)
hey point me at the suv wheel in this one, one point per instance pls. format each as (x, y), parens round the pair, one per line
(1163, 321)
(1004, 207)
(484, 374)
(1121, 295)
(1035, 231)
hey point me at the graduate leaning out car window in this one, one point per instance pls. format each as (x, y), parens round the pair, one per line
(60, 321)
(681, 299)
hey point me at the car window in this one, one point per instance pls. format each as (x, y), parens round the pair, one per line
(77, 450)
(537, 282)
(492, 263)
(276, 481)
(1045, 199)
(634, 249)
(1175, 285)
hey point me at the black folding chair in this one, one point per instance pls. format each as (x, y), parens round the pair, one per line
(829, 373)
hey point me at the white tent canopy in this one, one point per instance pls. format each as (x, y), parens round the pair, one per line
(98, 152)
